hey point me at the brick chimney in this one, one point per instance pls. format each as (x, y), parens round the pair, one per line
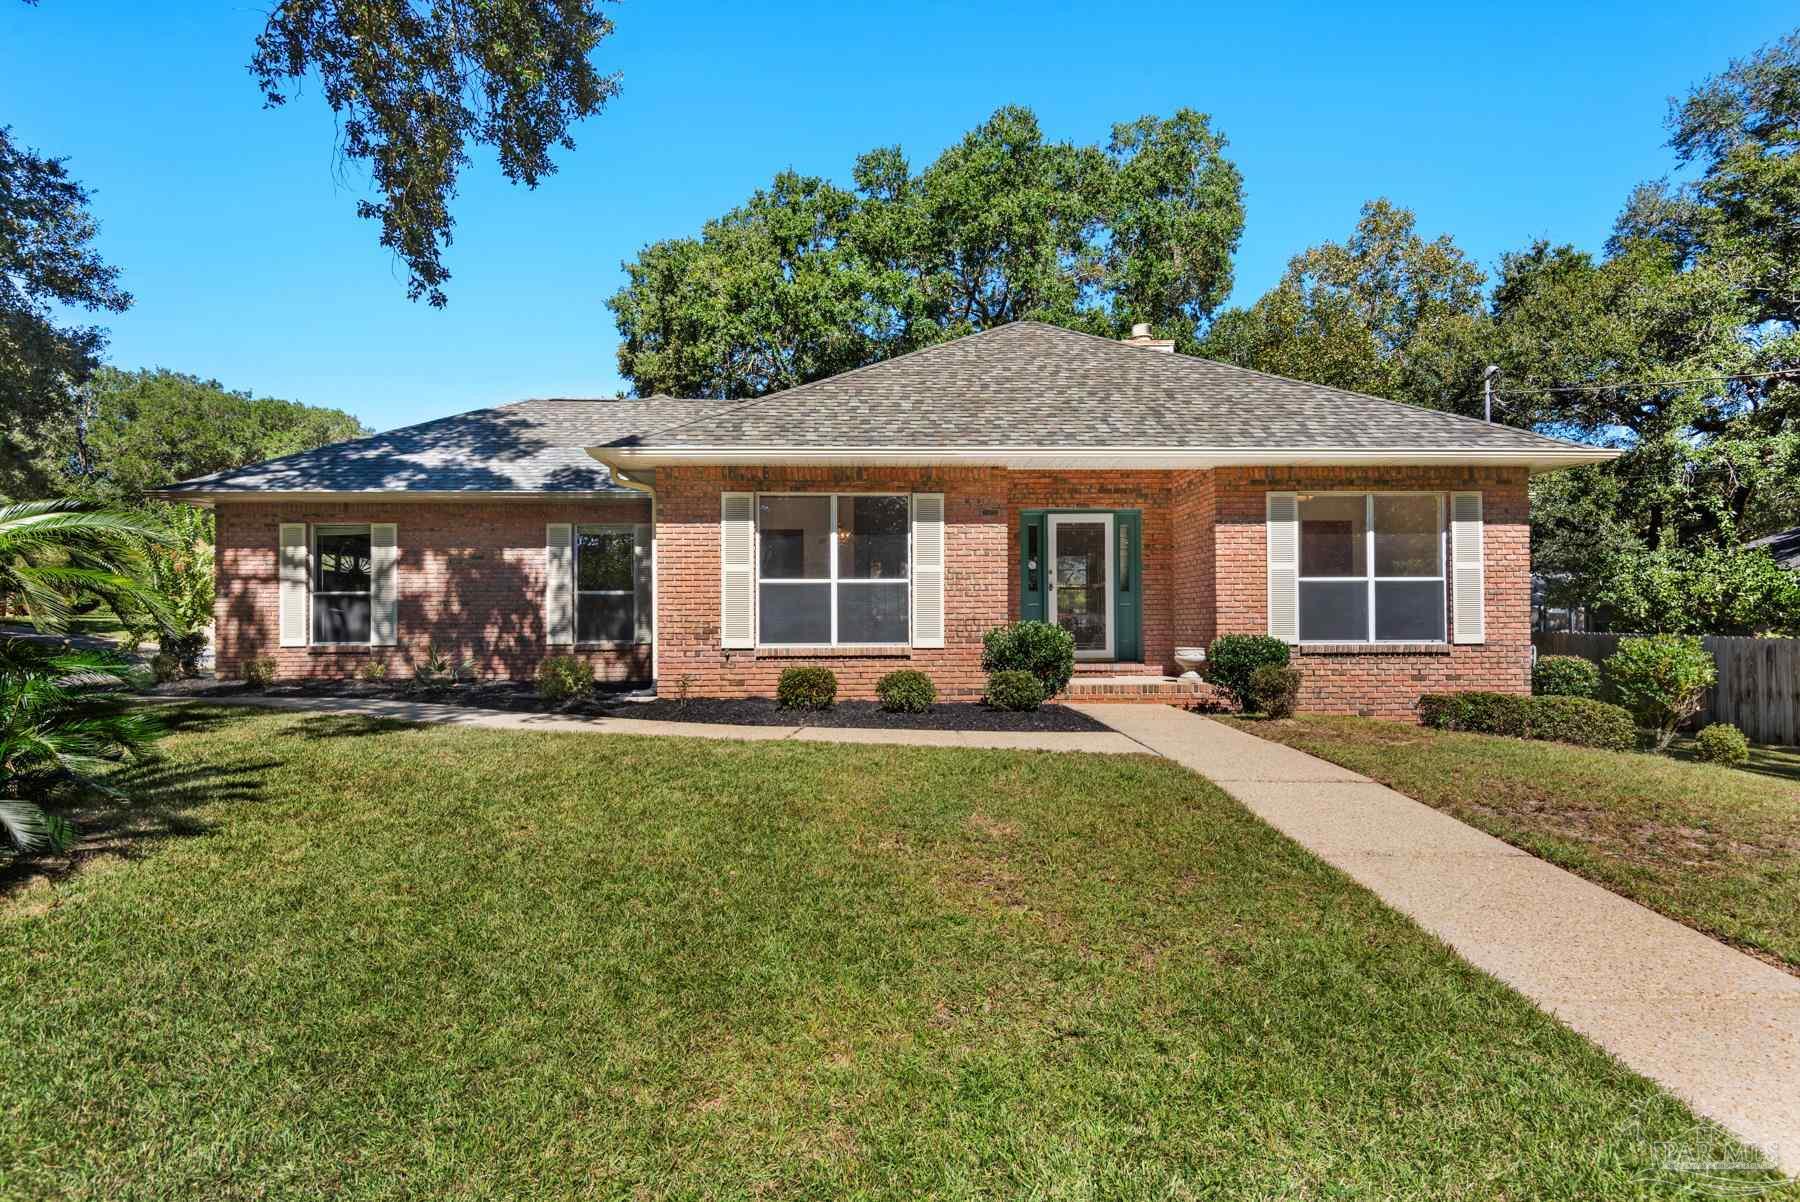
(1140, 336)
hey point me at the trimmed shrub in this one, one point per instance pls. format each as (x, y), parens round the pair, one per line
(1477, 712)
(906, 692)
(1274, 689)
(259, 673)
(1721, 743)
(165, 667)
(806, 689)
(561, 677)
(1662, 680)
(1565, 676)
(1232, 659)
(1581, 721)
(1014, 690)
(373, 671)
(1045, 650)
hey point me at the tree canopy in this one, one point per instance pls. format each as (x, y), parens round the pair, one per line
(808, 278)
(133, 431)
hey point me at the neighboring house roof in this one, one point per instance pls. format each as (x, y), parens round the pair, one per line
(528, 446)
(1030, 393)
(1784, 546)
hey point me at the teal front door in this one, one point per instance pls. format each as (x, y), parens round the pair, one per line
(1084, 572)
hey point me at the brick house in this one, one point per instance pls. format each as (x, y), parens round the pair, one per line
(888, 516)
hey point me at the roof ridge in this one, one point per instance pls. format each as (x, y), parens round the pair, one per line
(1267, 375)
(748, 402)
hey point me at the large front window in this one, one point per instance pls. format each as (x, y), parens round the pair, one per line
(342, 570)
(1372, 568)
(605, 592)
(833, 569)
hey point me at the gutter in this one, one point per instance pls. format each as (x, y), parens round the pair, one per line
(1554, 457)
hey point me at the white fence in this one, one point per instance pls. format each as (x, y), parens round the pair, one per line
(1759, 679)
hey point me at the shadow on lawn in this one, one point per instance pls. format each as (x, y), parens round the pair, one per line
(160, 796)
(346, 726)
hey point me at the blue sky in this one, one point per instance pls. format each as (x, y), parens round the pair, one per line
(239, 239)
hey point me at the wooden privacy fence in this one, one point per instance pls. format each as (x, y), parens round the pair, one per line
(1759, 679)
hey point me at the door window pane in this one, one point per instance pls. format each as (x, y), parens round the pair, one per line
(343, 618)
(604, 618)
(872, 538)
(795, 613)
(1332, 536)
(344, 564)
(1081, 582)
(1334, 611)
(1411, 610)
(872, 613)
(603, 559)
(1406, 536)
(796, 538)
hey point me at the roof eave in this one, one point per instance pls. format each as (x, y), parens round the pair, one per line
(1547, 459)
(196, 496)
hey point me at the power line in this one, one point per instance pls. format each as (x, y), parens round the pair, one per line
(1741, 375)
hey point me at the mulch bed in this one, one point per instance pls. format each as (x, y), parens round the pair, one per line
(521, 697)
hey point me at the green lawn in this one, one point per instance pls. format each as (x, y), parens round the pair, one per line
(353, 959)
(1716, 848)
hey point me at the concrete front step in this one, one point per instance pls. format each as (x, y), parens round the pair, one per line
(1135, 687)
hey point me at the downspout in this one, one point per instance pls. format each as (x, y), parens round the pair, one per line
(649, 490)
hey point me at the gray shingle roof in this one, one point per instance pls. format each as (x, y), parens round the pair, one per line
(1028, 384)
(527, 446)
(1784, 546)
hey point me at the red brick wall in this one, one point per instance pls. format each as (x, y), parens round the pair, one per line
(976, 516)
(470, 576)
(1191, 572)
(1384, 683)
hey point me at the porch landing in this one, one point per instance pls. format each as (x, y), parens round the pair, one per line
(1124, 683)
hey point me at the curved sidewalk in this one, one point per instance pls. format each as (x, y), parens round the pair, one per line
(1717, 1028)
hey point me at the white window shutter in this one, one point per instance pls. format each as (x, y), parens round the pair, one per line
(293, 584)
(1283, 521)
(384, 593)
(737, 569)
(1468, 587)
(643, 561)
(559, 585)
(928, 569)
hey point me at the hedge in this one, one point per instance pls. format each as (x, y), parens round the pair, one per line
(1580, 721)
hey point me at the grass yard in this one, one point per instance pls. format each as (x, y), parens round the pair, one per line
(1716, 848)
(362, 960)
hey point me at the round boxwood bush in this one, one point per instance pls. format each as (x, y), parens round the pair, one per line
(1565, 676)
(560, 677)
(165, 667)
(806, 689)
(259, 673)
(1662, 680)
(906, 692)
(1233, 657)
(1274, 689)
(1582, 721)
(1722, 743)
(1014, 690)
(1045, 650)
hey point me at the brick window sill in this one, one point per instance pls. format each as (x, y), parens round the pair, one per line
(339, 648)
(827, 652)
(1373, 649)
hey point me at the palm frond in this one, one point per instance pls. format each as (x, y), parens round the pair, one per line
(29, 829)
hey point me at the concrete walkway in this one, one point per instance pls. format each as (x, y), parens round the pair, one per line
(1717, 1028)
(1104, 742)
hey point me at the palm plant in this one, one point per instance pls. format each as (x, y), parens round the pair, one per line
(53, 551)
(65, 719)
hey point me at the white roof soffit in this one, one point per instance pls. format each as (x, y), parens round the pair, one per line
(1548, 459)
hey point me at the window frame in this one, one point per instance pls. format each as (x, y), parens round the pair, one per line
(576, 592)
(1369, 577)
(833, 578)
(313, 567)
